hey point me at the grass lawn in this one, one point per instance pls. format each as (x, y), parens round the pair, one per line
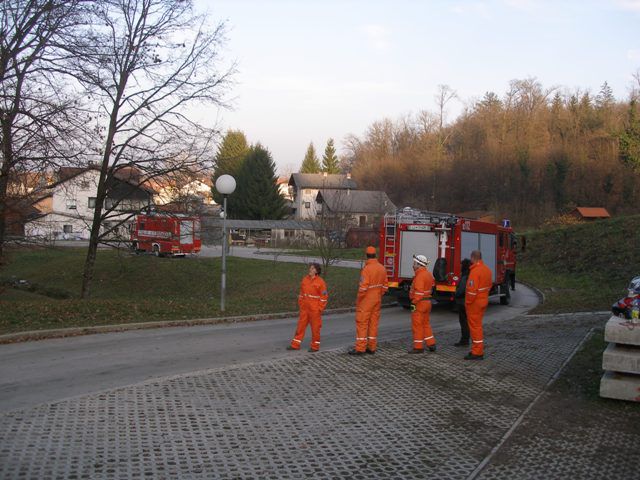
(129, 288)
(582, 267)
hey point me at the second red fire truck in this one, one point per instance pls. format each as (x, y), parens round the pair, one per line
(166, 234)
(446, 240)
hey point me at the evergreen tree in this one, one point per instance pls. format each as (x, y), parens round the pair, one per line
(229, 158)
(330, 159)
(490, 101)
(257, 196)
(605, 98)
(630, 139)
(310, 164)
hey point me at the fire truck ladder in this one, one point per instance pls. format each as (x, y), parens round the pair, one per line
(390, 242)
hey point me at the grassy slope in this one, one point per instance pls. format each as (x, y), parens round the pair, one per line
(143, 288)
(582, 267)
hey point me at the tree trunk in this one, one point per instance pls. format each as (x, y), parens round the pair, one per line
(7, 155)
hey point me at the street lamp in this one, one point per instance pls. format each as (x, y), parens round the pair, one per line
(225, 185)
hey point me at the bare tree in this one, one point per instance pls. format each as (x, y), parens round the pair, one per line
(443, 96)
(144, 64)
(331, 224)
(634, 90)
(38, 116)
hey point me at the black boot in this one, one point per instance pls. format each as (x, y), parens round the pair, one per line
(461, 343)
(471, 356)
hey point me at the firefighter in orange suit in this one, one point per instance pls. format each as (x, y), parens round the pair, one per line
(312, 302)
(373, 285)
(420, 295)
(476, 300)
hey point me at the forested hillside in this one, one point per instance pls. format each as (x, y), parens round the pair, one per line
(530, 155)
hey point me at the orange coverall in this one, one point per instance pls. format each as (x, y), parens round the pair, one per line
(476, 300)
(373, 285)
(420, 293)
(312, 301)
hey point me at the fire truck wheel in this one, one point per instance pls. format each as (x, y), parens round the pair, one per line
(505, 294)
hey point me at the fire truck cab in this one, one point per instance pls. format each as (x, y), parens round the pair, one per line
(446, 240)
(166, 234)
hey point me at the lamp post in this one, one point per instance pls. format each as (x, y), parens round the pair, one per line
(225, 184)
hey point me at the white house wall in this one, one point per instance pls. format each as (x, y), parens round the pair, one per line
(307, 195)
(52, 227)
(74, 192)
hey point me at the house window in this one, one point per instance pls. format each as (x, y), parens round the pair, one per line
(67, 228)
(71, 204)
(92, 202)
(289, 233)
(307, 204)
(362, 221)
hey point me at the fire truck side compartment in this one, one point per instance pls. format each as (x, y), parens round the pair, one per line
(416, 243)
(484, 242)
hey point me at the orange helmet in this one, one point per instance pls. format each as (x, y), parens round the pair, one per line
(370, 250)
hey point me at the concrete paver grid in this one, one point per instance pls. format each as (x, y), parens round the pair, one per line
(326, 415)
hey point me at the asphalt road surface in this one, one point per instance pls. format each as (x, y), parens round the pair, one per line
(48, 370)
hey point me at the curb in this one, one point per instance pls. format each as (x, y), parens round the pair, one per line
(78, 331)
(538, 292)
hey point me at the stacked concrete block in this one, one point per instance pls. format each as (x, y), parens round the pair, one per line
(621, 360)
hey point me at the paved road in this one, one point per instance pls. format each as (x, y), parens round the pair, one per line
(272, 253)
(36, 372)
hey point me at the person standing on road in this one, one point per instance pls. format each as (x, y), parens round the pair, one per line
(373, 285)
(312, 302)
(459, 296)
(420, 294)
(476, 300)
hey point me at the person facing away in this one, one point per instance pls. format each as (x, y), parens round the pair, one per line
(459, 296)
(312, 301)
(373, 285)
(420, 294)
(476, 300)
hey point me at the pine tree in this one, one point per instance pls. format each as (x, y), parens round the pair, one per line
(330, 159)
(310, 164)
(630, 139)
(605, 98)
(229, 158)
(257, 196)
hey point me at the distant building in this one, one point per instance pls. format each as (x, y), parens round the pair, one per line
(183, 188)
(305, 188)
(359, 208)
(65, 208)
(590, 213)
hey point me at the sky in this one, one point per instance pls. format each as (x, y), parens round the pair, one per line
(310, 70)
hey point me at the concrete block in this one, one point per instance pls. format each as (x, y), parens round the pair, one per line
(621, 330)
(621, 358)
(621, 386)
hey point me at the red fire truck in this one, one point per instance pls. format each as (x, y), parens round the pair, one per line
(166, 234)
(446, 240)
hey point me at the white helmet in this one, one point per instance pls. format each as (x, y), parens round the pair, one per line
(421, 260)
